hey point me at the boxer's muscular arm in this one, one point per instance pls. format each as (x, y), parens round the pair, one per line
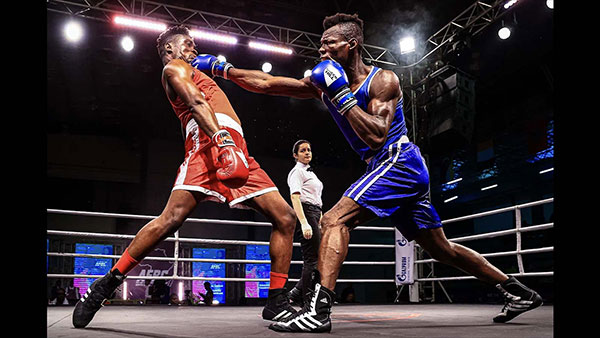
(263, 83)
(372, 126)
(176, 76)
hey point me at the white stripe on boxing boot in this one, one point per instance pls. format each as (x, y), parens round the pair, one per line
(86, 295)
(283, 314)
(297, 322)
(306, 322)
(307, 318)
(318, 323)
(519, 305)
(515, 303)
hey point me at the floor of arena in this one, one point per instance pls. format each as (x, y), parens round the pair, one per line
(401, 320)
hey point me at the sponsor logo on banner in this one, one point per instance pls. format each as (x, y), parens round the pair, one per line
(404, 260)
(402, 241)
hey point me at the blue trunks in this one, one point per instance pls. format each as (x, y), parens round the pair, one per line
(396, 185)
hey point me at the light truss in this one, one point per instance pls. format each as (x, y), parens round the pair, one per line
(304, 44)
(468, 23)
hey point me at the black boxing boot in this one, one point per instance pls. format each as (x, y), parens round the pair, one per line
(278, 306)
(315, 316)
(295, 297)
(518, 299)
(100, 290)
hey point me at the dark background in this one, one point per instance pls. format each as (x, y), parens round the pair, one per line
(114, 143)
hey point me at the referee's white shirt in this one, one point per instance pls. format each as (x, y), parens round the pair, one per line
(306, 183)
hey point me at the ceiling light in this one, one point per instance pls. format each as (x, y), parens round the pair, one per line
(509, 3)
(454, 181)
(451, 199)
(269, 48)
(220, 38)
(489, 187)
(407, 45)
(138, 23)
(73, 31)
(504, 33)
(127, 44)
(266, 67)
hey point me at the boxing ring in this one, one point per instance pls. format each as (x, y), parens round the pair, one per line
(416, 320)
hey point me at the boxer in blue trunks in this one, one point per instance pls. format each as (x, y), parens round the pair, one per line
(366, 103)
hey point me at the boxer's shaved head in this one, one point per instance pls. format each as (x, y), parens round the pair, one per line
(351, 26)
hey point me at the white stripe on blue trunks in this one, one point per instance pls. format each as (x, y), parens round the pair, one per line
(391, 161)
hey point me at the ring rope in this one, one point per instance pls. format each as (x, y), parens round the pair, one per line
(190, 220)
(518, 252)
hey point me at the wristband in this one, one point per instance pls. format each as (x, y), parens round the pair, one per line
(344, 100)
(221, 68)
(222, 138)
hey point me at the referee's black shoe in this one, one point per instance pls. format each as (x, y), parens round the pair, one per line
(278, 306)
(518, 299)
(100, 290)
(315, 316)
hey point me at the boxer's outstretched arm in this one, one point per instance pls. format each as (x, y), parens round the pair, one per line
(260, 82)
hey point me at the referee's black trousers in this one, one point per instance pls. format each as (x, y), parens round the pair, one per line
(309, 247)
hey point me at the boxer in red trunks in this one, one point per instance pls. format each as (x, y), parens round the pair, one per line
(216, 167)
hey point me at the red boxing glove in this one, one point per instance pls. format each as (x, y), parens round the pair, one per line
(233, 171)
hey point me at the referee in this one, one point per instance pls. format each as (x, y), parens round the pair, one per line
(305, 190)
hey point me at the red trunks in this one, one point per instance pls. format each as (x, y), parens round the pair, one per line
(197, 172)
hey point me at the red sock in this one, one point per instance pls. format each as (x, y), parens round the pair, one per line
(125, 263)
(278, 280)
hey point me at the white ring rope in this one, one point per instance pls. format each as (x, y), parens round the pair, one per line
(517, 231)
(190, 220)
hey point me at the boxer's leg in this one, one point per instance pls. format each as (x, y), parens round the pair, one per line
(435, 243)
(336, 225)
(518, 297)
(178, 207)
(282, 216)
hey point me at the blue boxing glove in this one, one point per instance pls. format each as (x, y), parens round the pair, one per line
(211, 64)
(329, 76)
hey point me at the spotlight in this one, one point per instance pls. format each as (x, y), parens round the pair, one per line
(127, 43)
(550, 4)
(137, 23)
(73, 31)
(509, 3)
(407, 45)
(504, 33)
(546, 171)
(266, 67)
(307, 72)
(269, 48)
(220, 38)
